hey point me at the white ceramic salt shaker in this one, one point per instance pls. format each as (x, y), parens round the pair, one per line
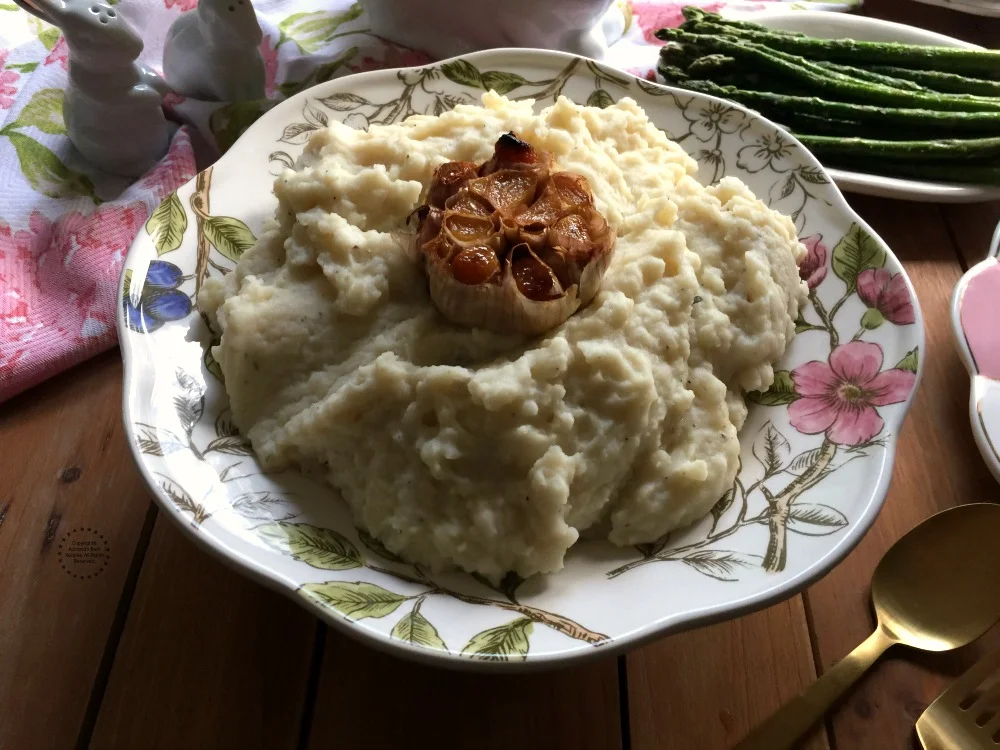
(213, 52)
(112, 107)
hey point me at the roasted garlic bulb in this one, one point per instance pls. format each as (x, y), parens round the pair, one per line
(511, 245)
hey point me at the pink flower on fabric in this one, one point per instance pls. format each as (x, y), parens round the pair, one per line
(393, 56)
(176, 168)
(7, 80)
(172, 100)
(886, 293)
(59, 54)
(182, 5)
(58, 294)
(812, 270)
(269, 54)
(653, 16)
(839, 397)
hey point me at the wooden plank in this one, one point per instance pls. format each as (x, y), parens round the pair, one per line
(972, 226)
(369, 700)
(72, 508)
(705, 689)
(208, 659)
(937, 467)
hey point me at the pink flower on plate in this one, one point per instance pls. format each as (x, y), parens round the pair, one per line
(59, 54)
(839, 397)
(653, 16)
(812, 270)
(886, 296)
(7, 80)
(182, 5)
(269, 53)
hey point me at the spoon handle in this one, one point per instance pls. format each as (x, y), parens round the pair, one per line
(792, 720)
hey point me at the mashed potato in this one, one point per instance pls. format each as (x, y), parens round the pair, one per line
(461, 447)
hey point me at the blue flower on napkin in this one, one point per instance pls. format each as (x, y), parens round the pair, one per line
(160, 301)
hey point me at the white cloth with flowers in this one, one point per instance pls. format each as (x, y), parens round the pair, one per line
(65, 225)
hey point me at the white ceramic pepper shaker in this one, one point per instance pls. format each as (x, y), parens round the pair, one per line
(112, 107)
(213, 52)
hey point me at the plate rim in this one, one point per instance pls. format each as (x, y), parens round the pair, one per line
(619, 644)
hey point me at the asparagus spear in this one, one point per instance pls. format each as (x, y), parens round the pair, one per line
(985, 150)
(971, 62)
(835, 83)
(936, 80)
(775, 106)
(871, 76)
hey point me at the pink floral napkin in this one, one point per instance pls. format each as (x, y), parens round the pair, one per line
(65, 225)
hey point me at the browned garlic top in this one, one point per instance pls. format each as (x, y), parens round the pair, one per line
(511, 245)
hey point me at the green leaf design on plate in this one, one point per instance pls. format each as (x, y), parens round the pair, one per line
(872, 319)
(414, 628)
(503, 643)
(355, 600)
(781, 392)
(314, 29)
(724, 504)
(910, 361)
(320, 74)
(297, 133)
(45, 172)
(234, 445)
(126, 284)
(167, 224)
(230, 236)
(376, 546)
(501, 81)
(463, 73)
(8, 6)
(343, 102)
(322, 548)
(721, 565)
(804, 460)
(813, 175)
(815, 519)
(857, 251)
(44, 111)
(600, 98)
(180, 497)
(28, 67)
(771, 448)
(211, 365)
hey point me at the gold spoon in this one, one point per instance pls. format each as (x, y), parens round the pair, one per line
(935, 589)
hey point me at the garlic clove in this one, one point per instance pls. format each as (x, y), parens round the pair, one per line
(466, 203)
(475, 265)
(466, 230)
(506, 190)
(510, 152)
(448, 179)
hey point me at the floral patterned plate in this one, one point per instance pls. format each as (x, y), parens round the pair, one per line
(817, 448)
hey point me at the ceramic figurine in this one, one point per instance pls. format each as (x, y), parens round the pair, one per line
(213, 52)
(113, 114)
(445, 28)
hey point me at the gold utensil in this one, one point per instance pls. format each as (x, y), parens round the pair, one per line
(966, 716)
(935, 589)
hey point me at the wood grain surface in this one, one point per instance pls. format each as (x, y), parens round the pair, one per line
(116, 632)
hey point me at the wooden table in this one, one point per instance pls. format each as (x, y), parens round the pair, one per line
(166, 648)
